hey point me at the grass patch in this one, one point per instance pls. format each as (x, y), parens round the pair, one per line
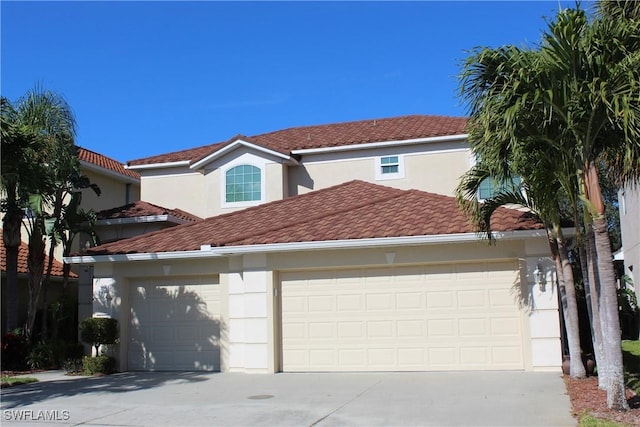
(631, 361)
(589, 421)
(8, 381)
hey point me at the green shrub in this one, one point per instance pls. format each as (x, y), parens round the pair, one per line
(101, 364)
(41, 356)
(73, 366)
(98, 331)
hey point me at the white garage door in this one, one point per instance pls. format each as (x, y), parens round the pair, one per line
(175, 324)
(444, 317)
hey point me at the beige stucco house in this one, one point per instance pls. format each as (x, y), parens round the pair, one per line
(326, 248)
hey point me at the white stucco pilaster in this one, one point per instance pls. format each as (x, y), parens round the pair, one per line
(546, 352)
(248, 315)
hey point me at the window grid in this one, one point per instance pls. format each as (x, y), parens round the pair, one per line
(389, 165)
(243, 184)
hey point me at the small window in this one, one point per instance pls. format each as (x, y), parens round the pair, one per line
(489, 187)
(243, 184)
(389, 167)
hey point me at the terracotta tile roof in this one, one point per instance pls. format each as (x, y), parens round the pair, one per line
(331, 135)
(140, 208)
(105, 162)
(353, 210)
(23, 253)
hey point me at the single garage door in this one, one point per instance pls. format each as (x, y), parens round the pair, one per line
(175, 324)
(422, 318)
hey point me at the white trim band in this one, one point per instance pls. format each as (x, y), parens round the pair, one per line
(217, 251)
(380, 144)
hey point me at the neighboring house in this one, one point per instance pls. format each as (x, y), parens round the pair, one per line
(55, 291)
(327, 248)
(118, 186)
(629, 206)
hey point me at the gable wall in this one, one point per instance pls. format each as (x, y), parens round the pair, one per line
(173, 188)
(202, 192)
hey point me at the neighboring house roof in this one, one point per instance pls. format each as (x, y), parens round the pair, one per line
(106, 163)
(23, 253)
(353, 210)
(144, 209)
(329, 135)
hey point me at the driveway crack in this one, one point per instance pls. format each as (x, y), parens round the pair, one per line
(345, 404)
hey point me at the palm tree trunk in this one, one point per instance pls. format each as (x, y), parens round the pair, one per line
(57, 210)
(592, 289)
(568, 298)
(11, 224)
(611, 335)
(35, 264)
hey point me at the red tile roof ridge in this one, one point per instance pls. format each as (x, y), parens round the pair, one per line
(352, 122)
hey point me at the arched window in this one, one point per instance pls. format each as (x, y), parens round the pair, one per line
(243, 184)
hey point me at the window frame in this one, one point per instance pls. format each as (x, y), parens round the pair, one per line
(245, 203)
(380, 165)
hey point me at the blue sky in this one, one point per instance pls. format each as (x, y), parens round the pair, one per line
(144, 78)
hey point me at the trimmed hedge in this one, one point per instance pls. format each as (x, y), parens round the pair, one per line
(101, 364)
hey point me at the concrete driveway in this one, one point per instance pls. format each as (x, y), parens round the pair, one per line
(365, 399)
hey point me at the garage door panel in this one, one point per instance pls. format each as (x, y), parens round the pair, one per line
(175, 324)
(402, 319)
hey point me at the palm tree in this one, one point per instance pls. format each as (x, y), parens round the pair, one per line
(43, 127)
(578, 93)
(593, 89)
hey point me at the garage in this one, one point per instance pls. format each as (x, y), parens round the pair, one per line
(174, 324)
(462, 316)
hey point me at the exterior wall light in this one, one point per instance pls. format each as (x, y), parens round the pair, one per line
(539, 279)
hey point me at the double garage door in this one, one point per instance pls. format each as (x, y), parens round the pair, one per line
(175, 324)
(443, 317)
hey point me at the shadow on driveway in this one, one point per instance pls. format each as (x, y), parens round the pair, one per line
(32, 393)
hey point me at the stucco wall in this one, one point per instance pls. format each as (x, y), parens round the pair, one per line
(435, 168)
(113, 192)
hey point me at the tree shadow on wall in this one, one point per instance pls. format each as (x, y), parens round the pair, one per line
(171, 327)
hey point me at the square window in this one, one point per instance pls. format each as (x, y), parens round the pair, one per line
(389, 167)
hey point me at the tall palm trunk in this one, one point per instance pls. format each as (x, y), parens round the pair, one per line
(592, 290)
(57, 209)
(568, 298)
(611, 336)
(35, 264)
(11, 224)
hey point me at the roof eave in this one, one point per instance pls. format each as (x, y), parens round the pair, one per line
(109, 172)
(142, 220)
(208, 251)
(381, 144)
(159, 165)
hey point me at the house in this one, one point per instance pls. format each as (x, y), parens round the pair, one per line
(336, 247)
